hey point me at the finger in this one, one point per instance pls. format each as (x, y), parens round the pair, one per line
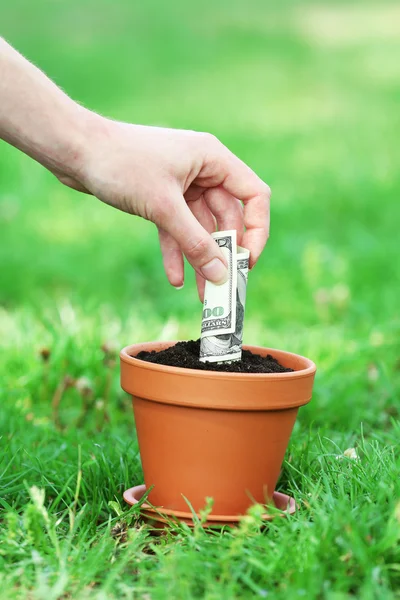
(227, 210)
(174, 216)
(244, 184)
(222, 168)
(201, 286)
(172, 258)
(257, 223)
(193, 192)
(203, 214)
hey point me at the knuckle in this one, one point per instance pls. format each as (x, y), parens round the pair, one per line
(214, 139)
(197, 249)
(210, 138)
(161, 210)
(267, 190)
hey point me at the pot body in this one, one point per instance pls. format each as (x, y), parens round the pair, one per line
(209, 434)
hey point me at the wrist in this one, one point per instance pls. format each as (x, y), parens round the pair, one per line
(88, 134)
(68, 155)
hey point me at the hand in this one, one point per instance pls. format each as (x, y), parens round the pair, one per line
(186, 182)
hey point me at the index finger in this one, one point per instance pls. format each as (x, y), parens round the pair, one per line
(255, 194)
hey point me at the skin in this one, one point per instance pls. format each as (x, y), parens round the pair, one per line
(187, 183)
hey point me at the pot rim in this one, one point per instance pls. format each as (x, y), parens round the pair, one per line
(126, 356)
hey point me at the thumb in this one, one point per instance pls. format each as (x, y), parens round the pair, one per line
(196, 243)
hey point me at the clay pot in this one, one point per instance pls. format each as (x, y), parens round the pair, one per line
(206, 433)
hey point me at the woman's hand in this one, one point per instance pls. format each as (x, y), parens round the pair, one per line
(187, 183)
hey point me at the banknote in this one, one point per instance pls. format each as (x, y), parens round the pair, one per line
(223, 310)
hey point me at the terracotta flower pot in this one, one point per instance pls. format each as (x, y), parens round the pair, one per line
(205, 433)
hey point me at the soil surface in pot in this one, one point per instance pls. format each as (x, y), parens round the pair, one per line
(186, 355)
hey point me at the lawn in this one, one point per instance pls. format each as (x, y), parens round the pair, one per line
(308, 95)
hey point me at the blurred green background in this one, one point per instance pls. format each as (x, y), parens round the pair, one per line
(308, 95)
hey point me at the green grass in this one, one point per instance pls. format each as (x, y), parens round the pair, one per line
(307, 94)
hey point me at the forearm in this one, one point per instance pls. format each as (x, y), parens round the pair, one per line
(37, 117)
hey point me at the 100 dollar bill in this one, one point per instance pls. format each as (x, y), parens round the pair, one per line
(223, 310)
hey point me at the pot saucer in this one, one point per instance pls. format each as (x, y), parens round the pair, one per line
(160, 516)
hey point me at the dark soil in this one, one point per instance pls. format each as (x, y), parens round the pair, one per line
(186, 355)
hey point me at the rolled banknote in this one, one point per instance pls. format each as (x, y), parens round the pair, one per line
(223, 310)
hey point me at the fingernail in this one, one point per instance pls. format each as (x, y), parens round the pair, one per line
(215, 271)
(178, 287)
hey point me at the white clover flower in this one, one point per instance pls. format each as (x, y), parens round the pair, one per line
(84, 386)
(349, 453)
